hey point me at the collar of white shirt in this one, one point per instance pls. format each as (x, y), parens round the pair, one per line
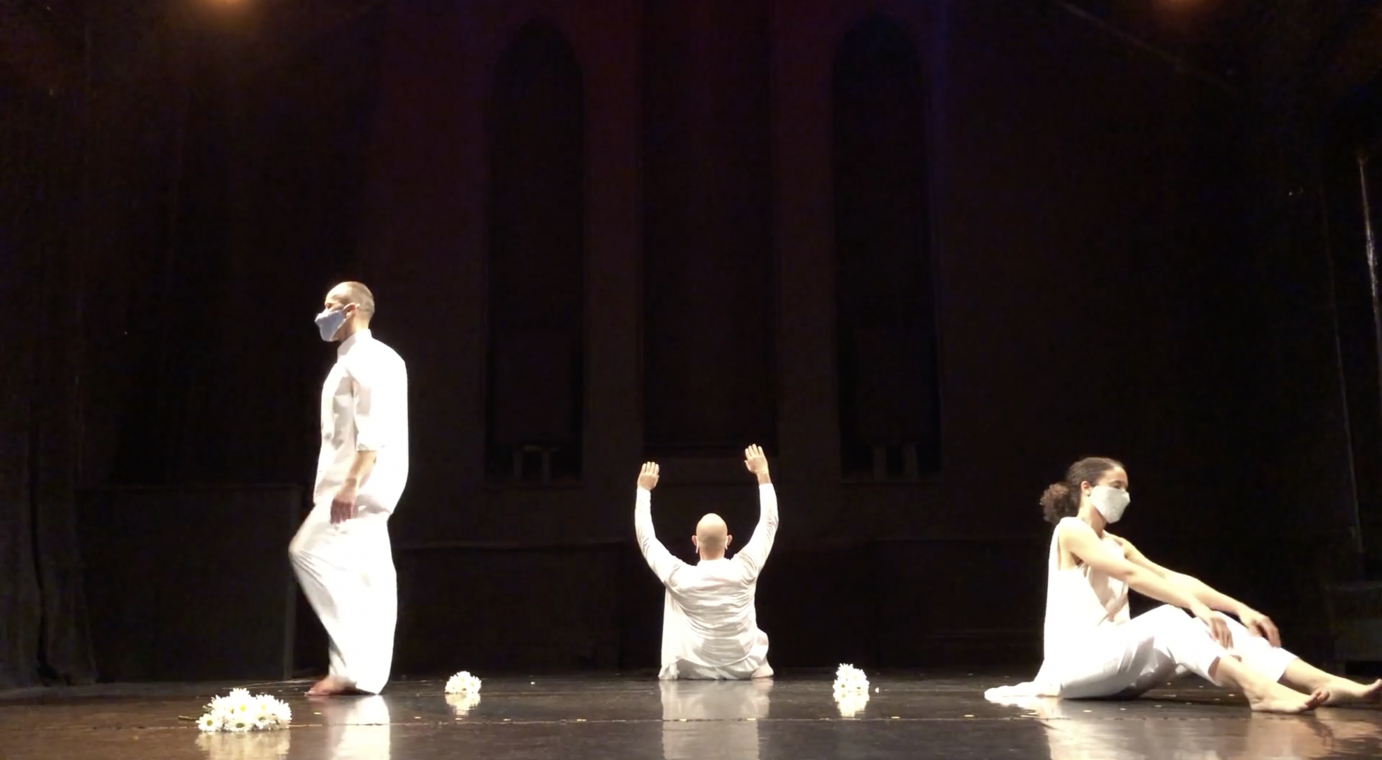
(348, 343)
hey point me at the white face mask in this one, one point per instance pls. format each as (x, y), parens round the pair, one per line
(1110, 502)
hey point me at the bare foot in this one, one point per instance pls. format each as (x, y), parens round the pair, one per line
(1343, 691)
(1280, 699)
(330, 686)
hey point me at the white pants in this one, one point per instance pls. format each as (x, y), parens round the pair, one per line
(347, 573)
(1131, 659)
(754, 666)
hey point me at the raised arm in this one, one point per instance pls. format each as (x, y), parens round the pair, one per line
(663, 564)
(755, 554)
(1080, 540)
(1209, 596)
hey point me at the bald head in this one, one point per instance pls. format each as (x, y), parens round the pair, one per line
(353, 293)
(712, 537)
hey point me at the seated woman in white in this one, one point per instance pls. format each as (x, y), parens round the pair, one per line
(1094, 649)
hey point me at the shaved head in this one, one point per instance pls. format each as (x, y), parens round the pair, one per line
(356, 293)
(712, 536)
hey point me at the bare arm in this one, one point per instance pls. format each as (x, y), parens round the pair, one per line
(360, 468)
(1080, 540)
(663, 564)
(1206, 594)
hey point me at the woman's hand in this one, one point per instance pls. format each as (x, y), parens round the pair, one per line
(1260, 625)
(1218, 627)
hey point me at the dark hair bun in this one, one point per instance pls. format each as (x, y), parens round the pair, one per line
(1055, 502)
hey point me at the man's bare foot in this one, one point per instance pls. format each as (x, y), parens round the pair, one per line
(1343, 691)
(1280, 699)
(330, 686)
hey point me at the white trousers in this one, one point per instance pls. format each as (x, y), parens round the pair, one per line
(1165, 643)
(754, 666)
(347, 573)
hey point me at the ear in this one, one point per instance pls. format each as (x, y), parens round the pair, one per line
(695, 544)
(728, 540)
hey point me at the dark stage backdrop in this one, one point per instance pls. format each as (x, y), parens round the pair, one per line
(927, 253)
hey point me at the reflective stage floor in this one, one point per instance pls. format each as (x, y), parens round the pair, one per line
(795, 718)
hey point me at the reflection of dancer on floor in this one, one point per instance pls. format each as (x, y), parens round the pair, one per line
(1093, 649)
(709, 625)
(1071, 734)
(733, 707)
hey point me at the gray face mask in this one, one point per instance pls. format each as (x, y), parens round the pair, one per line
(1110, 502)
(329, 322)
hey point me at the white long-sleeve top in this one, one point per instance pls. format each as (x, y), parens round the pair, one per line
(364, 407)
(709, 624)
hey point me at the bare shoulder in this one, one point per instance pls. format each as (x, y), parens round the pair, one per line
(1072, 527)
(1072, 532)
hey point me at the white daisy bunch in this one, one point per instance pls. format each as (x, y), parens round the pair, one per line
(239, 712)
(850, 680)
(463, 683)
(851, 703)
(463, 703)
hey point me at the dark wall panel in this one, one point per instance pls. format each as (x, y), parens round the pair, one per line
(534, 302)
(886, 335)
(708, 275)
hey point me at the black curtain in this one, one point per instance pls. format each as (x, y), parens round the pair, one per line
(43, 635)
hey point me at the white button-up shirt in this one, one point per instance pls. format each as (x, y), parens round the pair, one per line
(709, 624)
(365, 408)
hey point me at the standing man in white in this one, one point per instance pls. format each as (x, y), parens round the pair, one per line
(710, 626)
(341, 553)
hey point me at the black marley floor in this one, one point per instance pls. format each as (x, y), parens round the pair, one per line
(794, 718)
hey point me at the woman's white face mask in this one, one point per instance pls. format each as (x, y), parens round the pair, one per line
(1110, 501)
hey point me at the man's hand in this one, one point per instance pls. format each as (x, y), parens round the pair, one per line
(756, 463)
(1218, 628)
(647, 477)
(1260, 625)
(343, 504)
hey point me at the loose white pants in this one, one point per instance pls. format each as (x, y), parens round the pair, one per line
(347, 573)
(1165, 643)
(754, 666)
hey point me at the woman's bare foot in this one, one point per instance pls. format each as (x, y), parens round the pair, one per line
(1343, 691)
(330, 686)
(1281, 699)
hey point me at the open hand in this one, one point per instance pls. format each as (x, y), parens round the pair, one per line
(647, 477)
(755, 461)
(343, 505)
(1260, 625)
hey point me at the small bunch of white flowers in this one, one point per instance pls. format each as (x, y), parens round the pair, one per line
(850, 680)
(240, 713)
(463, 683)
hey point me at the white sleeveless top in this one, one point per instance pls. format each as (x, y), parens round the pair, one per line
(1080, 599)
